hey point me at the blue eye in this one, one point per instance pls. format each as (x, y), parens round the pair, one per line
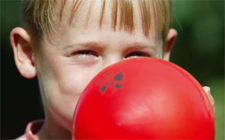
(137, 54)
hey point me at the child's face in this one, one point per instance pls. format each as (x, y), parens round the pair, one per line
(71, 57)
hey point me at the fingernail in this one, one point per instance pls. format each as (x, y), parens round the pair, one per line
(207, 90)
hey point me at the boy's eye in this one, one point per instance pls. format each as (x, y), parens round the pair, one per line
(85, 56)
(85, 52)
(137, 54)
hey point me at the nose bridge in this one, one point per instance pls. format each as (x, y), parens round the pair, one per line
(112, 59)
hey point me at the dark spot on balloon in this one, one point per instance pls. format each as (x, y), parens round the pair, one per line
(118, 77)
(118, 85)
(103, 88)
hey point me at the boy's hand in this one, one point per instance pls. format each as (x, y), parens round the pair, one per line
(211, 99)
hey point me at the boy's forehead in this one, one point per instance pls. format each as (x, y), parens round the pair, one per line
(117, 15)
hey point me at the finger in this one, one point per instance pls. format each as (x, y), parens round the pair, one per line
(210, 97)
(207, 90)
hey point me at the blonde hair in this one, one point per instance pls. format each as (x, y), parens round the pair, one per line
(38, 16)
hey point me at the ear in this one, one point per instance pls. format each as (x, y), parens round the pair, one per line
(23, 53)
(170, 40)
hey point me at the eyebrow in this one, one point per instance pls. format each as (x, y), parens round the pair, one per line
(84, 45)
(137, 45)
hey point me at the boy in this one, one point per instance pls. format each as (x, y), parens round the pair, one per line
(65, 43)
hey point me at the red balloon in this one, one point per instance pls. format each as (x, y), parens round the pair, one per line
(143, 98)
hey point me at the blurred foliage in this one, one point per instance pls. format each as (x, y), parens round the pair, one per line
(215, 85)
(200, 44)
(199, 49)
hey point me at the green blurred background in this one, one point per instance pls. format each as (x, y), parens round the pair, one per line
(199, 49)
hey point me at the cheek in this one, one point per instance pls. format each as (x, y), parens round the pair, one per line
(74, 83)
(62, 89)
(66, 85)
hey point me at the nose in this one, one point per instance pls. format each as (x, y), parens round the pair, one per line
(111, 60)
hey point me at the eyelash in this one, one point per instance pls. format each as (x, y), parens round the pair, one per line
(137, 54)
(93, 53)
(85, 52)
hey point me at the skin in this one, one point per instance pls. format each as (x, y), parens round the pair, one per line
(72, 56)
